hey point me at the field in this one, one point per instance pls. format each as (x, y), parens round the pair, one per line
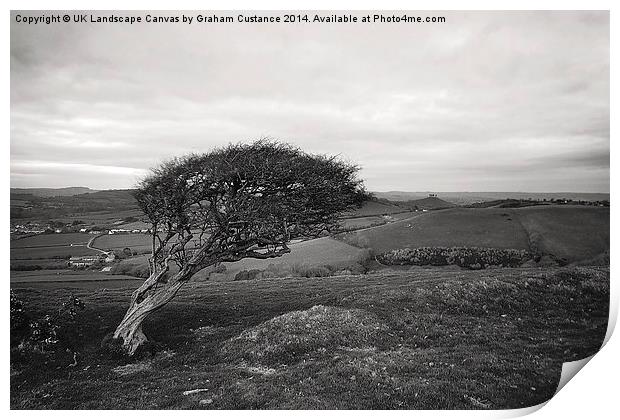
(52, 240)
(137, 242)
(571, 232)
(315, 252)
(369, 221)
(100, 218)
(429, 338)
(82, 279)
(453, 227)
(48, 251)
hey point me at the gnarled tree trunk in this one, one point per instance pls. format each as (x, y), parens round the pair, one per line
(151, 296)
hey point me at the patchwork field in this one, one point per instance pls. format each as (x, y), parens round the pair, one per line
(49, 250)
(424, 339)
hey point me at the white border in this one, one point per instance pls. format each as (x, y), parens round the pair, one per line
(592, 394)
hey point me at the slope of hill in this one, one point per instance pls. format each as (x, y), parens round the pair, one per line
(570, 232)
(424, 339)
(375, 208)
(452, 227)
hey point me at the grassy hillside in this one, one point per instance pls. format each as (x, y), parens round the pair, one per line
(570, 232)
(425, 339)
(454, 227)
(315, 252)
(370, 221)
(374, 208)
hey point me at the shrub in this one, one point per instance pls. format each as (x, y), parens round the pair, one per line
(50, 332)
(131, 268)
(275, 271)
(248, 275)
(472, 258)
(305, 270)
(19, 320)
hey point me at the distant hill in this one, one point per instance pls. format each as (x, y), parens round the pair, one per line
(375, 208)
(52, 192)
(29, 206)
(108, 195)
(467, 197)
(428, 203)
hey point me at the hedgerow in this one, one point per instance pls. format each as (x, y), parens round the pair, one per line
(468, 257)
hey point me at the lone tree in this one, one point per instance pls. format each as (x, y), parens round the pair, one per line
(240, 201)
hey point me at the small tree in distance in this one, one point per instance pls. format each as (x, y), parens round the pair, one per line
(239, 201)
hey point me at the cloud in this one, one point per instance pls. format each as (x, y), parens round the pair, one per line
(488, 100)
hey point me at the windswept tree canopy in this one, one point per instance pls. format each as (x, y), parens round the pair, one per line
(243, 200)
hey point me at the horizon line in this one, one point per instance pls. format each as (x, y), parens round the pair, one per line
(373, 191)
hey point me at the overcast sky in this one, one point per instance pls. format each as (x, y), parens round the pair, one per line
(502, 101)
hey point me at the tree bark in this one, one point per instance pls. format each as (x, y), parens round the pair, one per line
(146, 300)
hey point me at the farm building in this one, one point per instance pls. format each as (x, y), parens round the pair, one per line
(119, 232)
(85, 261)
